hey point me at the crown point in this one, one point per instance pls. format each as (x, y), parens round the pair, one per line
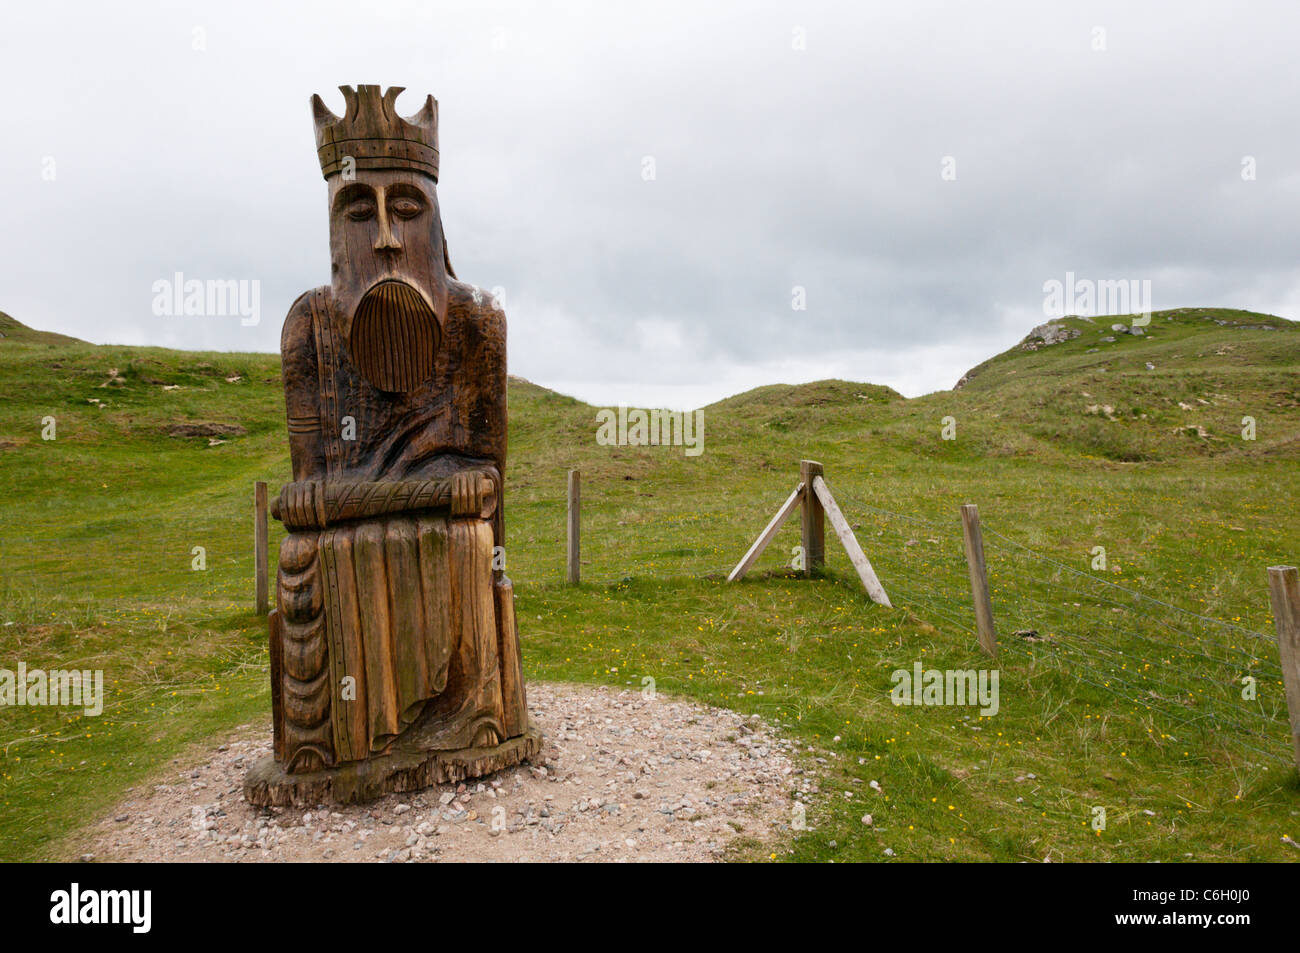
(320, 112)
(390, 98)
(350, 100)
(428, 114)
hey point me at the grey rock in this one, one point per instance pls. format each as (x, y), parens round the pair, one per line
(1045, 335)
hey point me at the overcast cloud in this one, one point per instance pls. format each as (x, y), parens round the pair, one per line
(775, 166)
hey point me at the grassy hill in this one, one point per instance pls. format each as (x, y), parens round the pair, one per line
(1116, 701)
(13, 331)
(1194, 373)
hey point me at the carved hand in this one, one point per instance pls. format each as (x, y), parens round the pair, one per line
(467, 493)
(297, 503)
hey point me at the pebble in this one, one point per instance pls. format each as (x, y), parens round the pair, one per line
(620, 777)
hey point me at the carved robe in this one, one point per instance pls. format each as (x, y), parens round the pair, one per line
(400, 622)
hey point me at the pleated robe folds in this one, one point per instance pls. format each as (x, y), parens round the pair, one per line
(410, 606)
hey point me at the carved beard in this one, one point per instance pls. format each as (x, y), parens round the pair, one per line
(394, 337)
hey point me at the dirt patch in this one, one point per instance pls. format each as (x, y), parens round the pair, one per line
(621, 777)
(205, 429)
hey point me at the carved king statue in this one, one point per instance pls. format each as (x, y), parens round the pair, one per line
(395, 660)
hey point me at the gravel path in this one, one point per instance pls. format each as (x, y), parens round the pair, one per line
(621, 778)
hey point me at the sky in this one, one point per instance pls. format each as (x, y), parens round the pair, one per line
(676, 202)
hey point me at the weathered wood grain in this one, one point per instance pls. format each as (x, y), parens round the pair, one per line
(769, 532)
(973, 539)
(261, 583)
(409, 766)
(813, 532)
(1284, 594)
(573, 554)
(856, 556)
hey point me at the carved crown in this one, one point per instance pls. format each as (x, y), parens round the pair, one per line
(373, 135)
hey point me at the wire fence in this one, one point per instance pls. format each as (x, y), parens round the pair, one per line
(1191, 673)
(1191, 670)
(1194, 672)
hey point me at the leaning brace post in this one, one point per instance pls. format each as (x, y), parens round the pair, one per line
(768, 533)
(861, 565)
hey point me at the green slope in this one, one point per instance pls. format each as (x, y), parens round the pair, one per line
(1181, 388)
(1125, 704)
(13, 331)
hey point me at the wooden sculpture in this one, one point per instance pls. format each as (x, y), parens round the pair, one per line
(395, 659)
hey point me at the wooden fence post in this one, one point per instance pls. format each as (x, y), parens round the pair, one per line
(979, 579)
(1284, 589)
(817, 503)
(861, 565)
(813, 538)
(260, 546)
(575, 543)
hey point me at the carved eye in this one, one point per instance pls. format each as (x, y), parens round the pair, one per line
(361, 211)
(406, 207)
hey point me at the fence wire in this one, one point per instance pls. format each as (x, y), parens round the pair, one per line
(1202, 674)
(1185, 666)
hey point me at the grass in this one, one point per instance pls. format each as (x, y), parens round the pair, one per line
(1126, 704)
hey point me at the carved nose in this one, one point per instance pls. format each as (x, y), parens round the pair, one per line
(385, 240)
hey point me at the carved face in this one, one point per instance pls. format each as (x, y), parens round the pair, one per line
(389, 277)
